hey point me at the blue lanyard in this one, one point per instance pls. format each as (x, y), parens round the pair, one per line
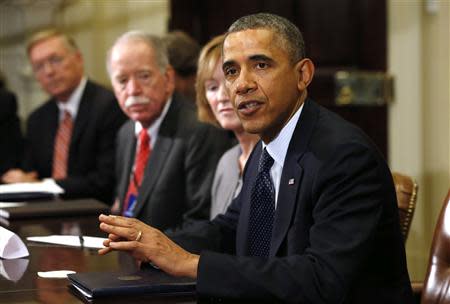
(131, 203)
(132, 198)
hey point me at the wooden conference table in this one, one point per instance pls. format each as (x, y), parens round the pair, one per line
(30, 288)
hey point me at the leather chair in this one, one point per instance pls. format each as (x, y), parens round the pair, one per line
(437, 282)
(406, 189)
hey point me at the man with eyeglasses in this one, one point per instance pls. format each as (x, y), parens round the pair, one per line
(71, 137)
(165, 158)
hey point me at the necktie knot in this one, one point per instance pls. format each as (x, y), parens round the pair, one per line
(66, 115)
(144, 138)
(265, 162)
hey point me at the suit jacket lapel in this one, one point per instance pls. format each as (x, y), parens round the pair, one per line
(159, 154)
(128, 145)
(292, 174)
(155, 166)
(245, 196)
(289, 187)
(83, 114)
(48, 138)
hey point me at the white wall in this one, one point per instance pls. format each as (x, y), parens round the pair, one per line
(93, 24)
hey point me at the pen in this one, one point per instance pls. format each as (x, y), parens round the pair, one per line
(81, 241)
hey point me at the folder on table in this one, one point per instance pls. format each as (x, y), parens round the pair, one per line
(148, 281)
(44, 190)
(16, 210)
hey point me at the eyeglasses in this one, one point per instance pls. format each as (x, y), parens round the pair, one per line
(54, 61)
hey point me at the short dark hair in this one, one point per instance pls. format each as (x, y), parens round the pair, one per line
(289, 34)
(183, 52)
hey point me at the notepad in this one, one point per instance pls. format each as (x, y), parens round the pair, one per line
(70, 240)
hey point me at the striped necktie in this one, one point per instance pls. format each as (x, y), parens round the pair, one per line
(61, 147)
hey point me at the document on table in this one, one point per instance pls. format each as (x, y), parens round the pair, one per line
(70, 240)
(46, 186)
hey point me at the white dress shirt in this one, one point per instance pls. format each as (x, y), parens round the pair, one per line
(277, 149)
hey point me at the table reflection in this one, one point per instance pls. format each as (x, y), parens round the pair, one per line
(13, 270)
(20, 283)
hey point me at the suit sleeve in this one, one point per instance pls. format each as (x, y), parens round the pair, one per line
(347, 198)
(204, 150)
(11, 139)
(29, 162)
(100, 180)
(216, 235)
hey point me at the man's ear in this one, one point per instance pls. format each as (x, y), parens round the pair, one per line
(305, 69)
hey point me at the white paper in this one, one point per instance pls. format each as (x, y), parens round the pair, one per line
(11, 246)
(12, 204)
(55, 274)
(45, 186)
(13, 270)
(70, 240)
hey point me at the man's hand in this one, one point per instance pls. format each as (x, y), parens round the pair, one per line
(19, 176)
(147, 244)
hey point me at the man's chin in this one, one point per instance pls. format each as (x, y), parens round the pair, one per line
(143, 120)
(59, 94)
(252, 128)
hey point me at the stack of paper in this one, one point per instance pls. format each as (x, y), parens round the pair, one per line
(25, 191)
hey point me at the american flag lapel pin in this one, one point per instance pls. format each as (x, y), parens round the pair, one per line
(291, 181)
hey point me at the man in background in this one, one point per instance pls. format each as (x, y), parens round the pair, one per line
(183, 53)
(71, 137)
(165, 157)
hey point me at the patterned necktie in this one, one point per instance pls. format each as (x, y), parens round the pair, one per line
(262, 209)
(138, 174)
(61, 147)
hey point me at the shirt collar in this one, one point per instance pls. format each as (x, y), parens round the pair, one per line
(73, 103)
(278, 147)
(154, 128)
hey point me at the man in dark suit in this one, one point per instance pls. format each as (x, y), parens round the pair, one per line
(165, 157)
(316, 220)
(71, 137)
(11, 139)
